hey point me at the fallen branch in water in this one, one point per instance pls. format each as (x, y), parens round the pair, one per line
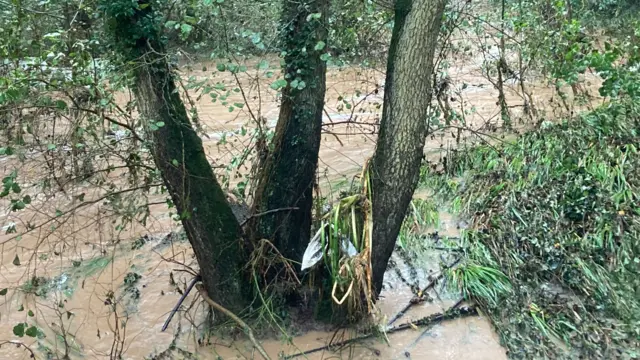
(424, 291)
(235, 318)
(450, 314)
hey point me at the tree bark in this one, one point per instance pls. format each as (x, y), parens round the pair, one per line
(212, 229)
(398, 156)
(287, 180)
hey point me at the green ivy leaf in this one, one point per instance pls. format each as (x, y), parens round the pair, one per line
(30, 313)
(263, 65)
(175, 162)
(31, 331)
(16, 260)
(3, 292)
(26, 199)
(238, 105)
(18, 330)
(319, 46)
(278, 84)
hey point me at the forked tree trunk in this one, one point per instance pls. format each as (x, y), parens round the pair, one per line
(287, 180)
(212, 229)
(403, 129)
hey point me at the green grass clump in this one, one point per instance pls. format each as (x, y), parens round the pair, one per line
(554, 244)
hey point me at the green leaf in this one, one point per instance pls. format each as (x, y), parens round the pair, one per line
(319, 46)
(221, 67)
(32, 331)
(186, 28)
(21, 307)
(17, 205)
(278, 84)
(170, 24)
(3, 292)
(314, 16)
(175, 162)
(16, 188)
(238, 105)
(143, 6)
(325, 57)
(61, 105)
(51, 147)
(16, 260)
(58, 213)
(30, 313)
(160, 124)
(233, 68)
(18, 330)
(263, 65)
(230, 108)
(26, 199)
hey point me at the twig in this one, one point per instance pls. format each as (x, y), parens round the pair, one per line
(429, 286)
(235, 318)
(19, 344)
(267, 213)
(184, 296)
(425, 321)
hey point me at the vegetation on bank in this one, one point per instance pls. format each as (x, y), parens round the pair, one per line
(553, 250)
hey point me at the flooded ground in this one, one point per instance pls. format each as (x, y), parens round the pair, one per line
(105, 292)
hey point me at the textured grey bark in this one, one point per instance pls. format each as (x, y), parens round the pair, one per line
(398, 156)
(208, 220)
(289, 175)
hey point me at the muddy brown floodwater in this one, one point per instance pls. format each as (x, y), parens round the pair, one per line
(89, 265)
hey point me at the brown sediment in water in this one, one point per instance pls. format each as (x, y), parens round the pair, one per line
(88, 319)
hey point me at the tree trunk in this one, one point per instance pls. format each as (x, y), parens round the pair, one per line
(403, 129)
(212, 229)
(287, 180)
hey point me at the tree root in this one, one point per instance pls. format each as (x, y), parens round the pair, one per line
(235, 318)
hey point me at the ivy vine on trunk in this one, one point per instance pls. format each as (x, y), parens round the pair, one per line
(212, 229)
(285, 187)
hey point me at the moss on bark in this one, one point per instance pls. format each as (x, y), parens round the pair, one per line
(208, 220)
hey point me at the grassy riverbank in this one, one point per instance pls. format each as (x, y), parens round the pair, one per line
(553, 248)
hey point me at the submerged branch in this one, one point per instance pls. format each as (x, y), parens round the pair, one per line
(450, 314)
(426, 288)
